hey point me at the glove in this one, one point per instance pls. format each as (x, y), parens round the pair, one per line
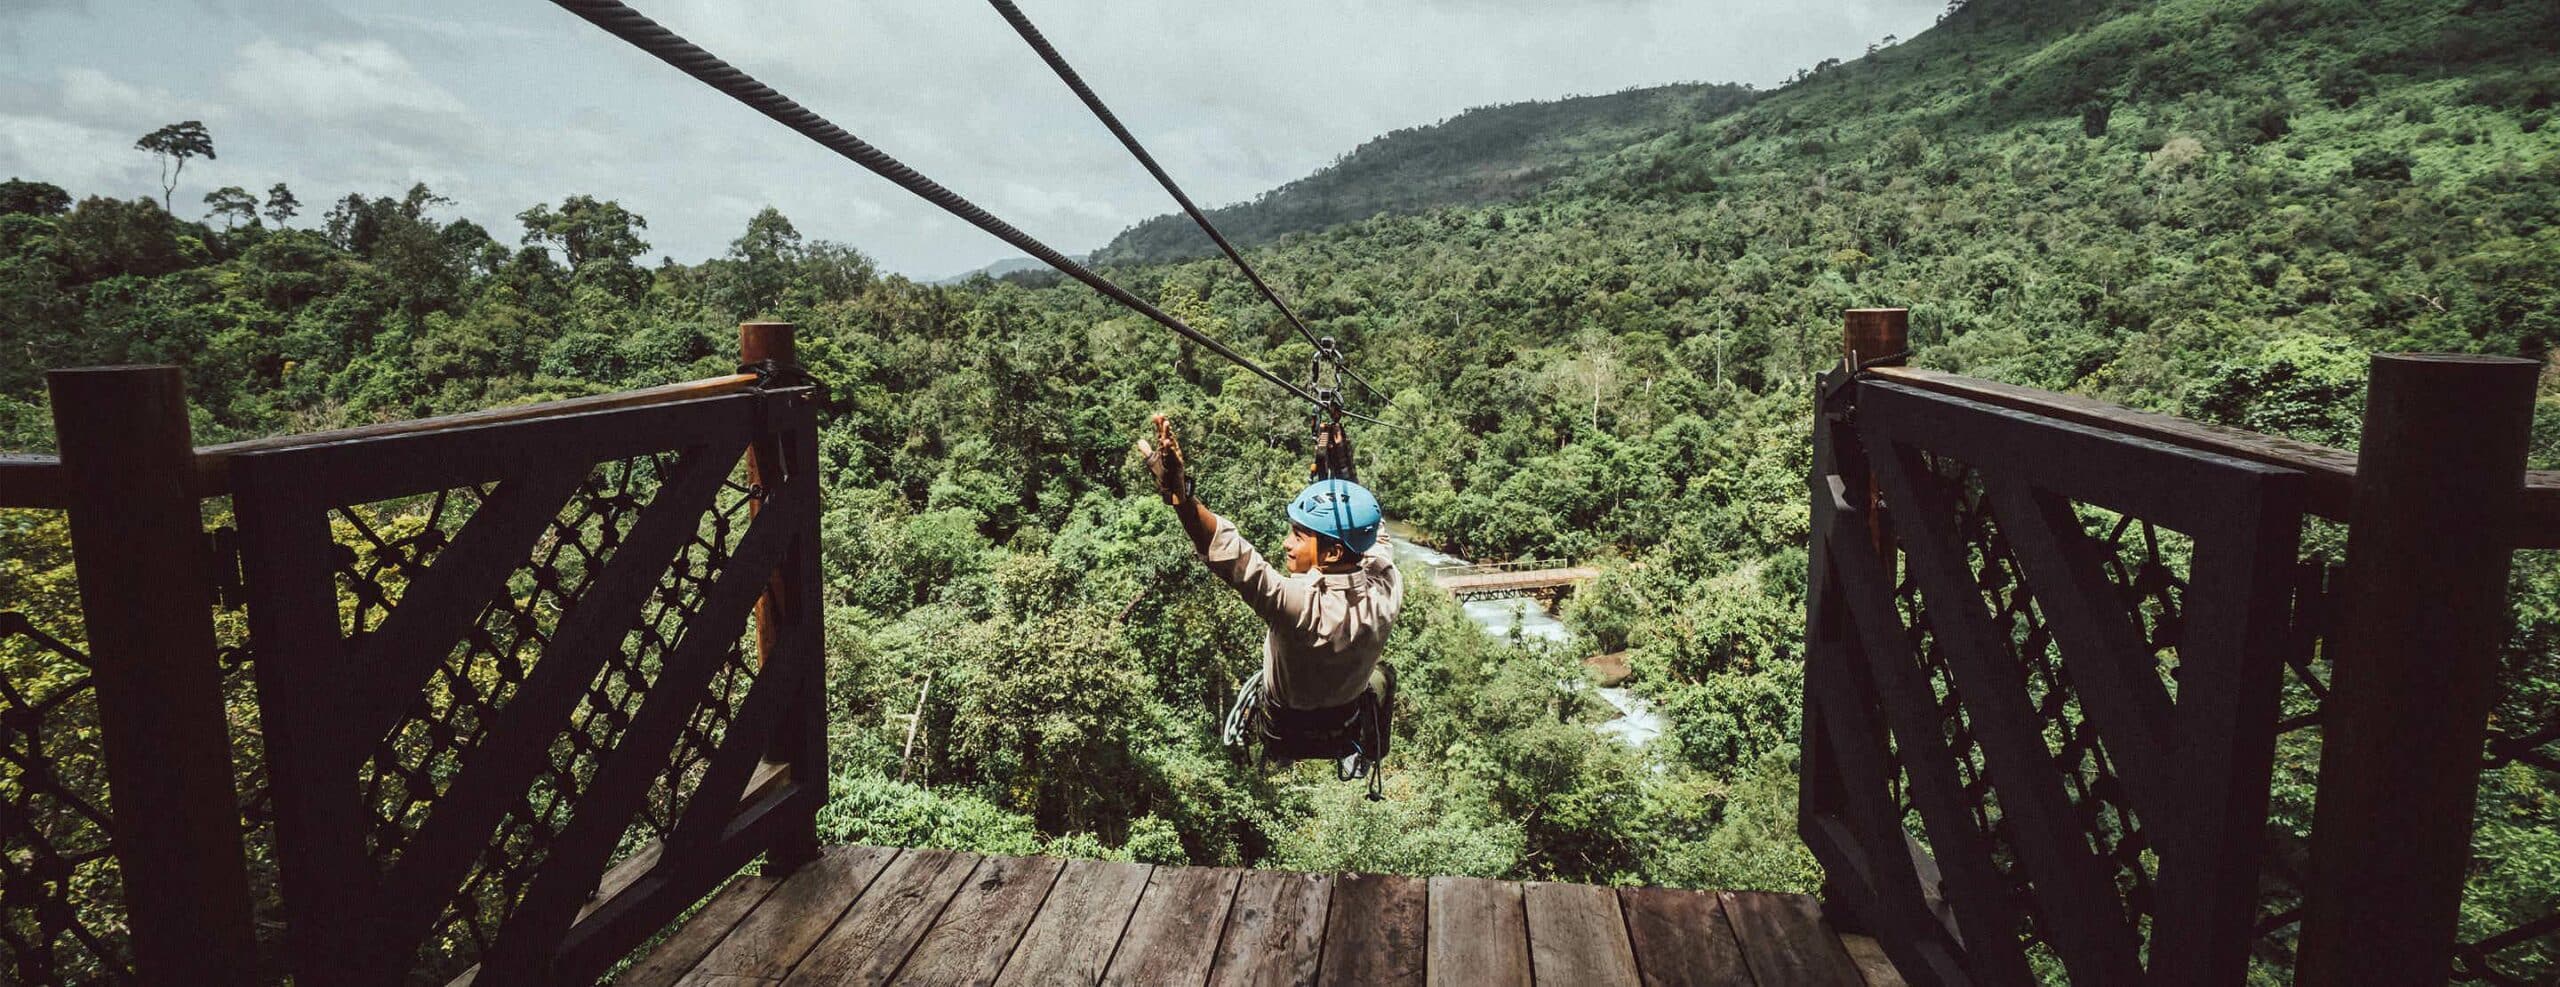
(1164, 462)
(1333, 453)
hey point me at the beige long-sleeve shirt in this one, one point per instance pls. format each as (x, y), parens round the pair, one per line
(1326, 629)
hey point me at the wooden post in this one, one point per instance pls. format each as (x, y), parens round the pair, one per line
(1871, 334)
(1867, 335)
(146, 598)
(801, 739)
(2439, 478)
(1878, 337)
(759, 342)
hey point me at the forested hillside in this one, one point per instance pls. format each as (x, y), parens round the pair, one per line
(2210, 207)
(1485, 155)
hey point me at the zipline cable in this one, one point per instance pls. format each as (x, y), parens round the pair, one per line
(1058, 63)
(619, 20)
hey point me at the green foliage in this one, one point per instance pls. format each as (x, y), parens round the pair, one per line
(867, 809)
(1402, 835)
(2295, 384)
(34, 198)
(2382, 164)
(1748, 841)
(599, 240)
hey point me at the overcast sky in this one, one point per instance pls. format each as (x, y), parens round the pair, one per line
(500, 104)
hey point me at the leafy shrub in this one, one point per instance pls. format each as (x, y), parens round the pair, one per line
(2382, 164)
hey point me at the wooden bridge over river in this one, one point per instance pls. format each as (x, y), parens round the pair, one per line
(1541, 579)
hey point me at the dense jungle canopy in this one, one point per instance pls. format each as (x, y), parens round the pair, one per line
(1599, 319)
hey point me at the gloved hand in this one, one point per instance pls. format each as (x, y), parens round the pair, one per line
(1164, 461)
(1333, 453)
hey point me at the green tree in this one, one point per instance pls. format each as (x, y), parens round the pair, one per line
(600, 240)
(175, 145)
(104, 237)
(281, 205)
(233, 205)
(33, 198)
(766, 257)
(2093, 117)
(2382, 164)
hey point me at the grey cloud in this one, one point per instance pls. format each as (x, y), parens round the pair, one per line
(504, 103)
(20, 8)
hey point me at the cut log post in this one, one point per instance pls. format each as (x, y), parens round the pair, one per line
(788, 597)
(1871, 334)
(2415, 664)
(146, 598)
(758, 343)
(1877, 337)
(1868, 337)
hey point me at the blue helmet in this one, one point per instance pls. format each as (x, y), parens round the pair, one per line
(1338, 509)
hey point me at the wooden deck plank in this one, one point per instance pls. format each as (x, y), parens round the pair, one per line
(873, 938)
(968, 945)
(865, 915)
(1868, 956)
(1786, 941)
(773, 936)
(1682, 938)
(1071, 939)
(700, 979)
(1173, 935)
(1275, 931)
(1578, 936)
(684, 950)
(1479, 934)
(1375, 933)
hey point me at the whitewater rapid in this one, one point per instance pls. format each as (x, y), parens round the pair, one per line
(1636, 725)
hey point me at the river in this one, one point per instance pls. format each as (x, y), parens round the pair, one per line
(1637, 723)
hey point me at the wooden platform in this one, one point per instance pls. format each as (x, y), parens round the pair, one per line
(866, 915)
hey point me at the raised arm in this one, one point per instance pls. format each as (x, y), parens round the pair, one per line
(1227, 554)
(1173, 482)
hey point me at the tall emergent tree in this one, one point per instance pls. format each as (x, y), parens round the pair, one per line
(281, 205)
(174, 144)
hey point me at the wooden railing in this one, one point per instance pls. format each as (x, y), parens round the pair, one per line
(2054, 646)
(509, 715)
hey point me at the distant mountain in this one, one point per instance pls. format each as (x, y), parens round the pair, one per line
(1484, 155)
(1009, 265)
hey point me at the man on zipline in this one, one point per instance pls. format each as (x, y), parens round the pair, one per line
(1328, 619)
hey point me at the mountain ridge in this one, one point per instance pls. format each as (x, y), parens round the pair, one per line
(1483, 155)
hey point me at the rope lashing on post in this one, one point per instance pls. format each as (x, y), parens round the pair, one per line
(619, 20)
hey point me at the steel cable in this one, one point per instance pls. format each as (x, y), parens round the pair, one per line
(631, 26)
(1058, 63)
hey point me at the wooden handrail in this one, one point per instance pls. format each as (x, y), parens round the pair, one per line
(33, 481)
(2331, 473)
(213, 463)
